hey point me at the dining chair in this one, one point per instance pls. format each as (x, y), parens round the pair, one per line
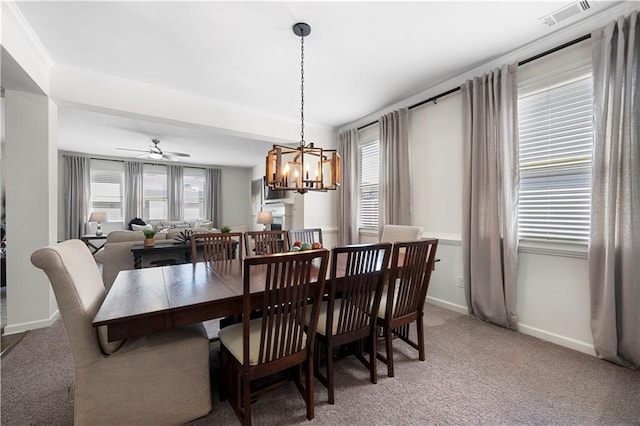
(265, 242)
(277, 341)
(350, 314)
(306, 235)
(409, 275)
(393, 233)
(160, 378)
(216, 246)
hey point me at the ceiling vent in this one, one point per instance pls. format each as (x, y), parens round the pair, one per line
(567, 12)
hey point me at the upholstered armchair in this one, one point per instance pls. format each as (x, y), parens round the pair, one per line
(161, 378)
(393, 233)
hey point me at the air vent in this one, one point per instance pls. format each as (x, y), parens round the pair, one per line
(567, 12)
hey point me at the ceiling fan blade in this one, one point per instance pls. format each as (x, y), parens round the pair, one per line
(177, 154)
(134, 150)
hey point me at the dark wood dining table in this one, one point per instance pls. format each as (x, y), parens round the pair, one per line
(148, 300)
(143, 301)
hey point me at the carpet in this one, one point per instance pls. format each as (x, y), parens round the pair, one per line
(475, 373)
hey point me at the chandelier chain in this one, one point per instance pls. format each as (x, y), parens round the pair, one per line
(302, 142)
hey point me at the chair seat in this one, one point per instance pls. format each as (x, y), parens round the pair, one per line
(382, 310)
(322, 318)
(231, 338)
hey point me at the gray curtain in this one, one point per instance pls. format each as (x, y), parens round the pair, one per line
(490, 195)
(213, 197)
(348, 192)
(394, 198)
(134, 200)
(175, 191)
(77, 198)
(614, 249)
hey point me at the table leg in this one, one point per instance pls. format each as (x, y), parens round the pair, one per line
(137, 261)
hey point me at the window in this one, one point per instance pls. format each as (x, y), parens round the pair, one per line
(107, 188)
(194, 180)
(154, 182)
(556, 139)
(368, 176)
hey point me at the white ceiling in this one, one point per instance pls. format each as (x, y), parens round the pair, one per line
(359, 58)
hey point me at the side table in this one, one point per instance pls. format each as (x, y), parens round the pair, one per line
(88, 238)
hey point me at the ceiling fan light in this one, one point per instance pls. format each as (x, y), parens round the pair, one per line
(155, 156)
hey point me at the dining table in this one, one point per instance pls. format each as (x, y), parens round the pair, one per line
(148, 300)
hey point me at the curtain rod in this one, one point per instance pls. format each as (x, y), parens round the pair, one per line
(525, 61)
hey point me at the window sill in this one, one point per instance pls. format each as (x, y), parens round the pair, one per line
(554, 248)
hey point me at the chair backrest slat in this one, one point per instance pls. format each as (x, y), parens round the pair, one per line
(216, 246)
(265, 242)
(365, 268)
(290, 281)
(411, 266)
(307, 235)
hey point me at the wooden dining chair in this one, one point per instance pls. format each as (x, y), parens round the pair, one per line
(306, 235)
(216, 246)
(277, 341)
(351, 316)
(409, 275)
(265, 242)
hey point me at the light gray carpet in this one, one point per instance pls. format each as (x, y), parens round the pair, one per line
(475, 373)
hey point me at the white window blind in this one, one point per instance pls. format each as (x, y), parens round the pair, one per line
(368, 176)
(194, 180)
(154, 183)
(556, 139)
(107, 188)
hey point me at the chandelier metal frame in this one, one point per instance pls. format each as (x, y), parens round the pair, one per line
(303, 168)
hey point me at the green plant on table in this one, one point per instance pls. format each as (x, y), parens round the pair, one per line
(225, 229)
(149, 233)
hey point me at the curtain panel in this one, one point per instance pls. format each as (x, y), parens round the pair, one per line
(614, 248)
(77, 198)
(213, 197)
(490, 195)
(394, 202)
(175, 191)
(348, 193)
(134, 201)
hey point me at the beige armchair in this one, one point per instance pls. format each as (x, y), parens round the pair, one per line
(161, 378)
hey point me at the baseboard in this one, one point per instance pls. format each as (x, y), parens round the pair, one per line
(448, 305)
(31, 325)
(564, 341)
(547, 336)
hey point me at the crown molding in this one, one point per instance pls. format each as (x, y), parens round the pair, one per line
(10, 10)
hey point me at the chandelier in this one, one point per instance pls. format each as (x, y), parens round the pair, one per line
(306, 167)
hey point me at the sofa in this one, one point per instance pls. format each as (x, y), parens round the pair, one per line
(115, 255)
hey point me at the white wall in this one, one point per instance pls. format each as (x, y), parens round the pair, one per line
(31, 207)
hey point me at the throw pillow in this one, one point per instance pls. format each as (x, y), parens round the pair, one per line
(135, 227)
(135, 221)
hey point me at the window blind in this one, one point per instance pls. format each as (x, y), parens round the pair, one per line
(369, 172)
(107, 188)
(556, 139)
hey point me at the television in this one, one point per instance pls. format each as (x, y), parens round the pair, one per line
(273, 194)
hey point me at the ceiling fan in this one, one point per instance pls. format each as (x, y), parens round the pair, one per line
(155, 153)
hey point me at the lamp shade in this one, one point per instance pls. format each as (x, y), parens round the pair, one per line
(98, 217)
(265, 218)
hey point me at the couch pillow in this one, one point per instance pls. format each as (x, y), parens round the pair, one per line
(141, 227)
(203, 224)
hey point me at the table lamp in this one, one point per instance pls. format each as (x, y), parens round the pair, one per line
(98, 217)
(265, 218)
